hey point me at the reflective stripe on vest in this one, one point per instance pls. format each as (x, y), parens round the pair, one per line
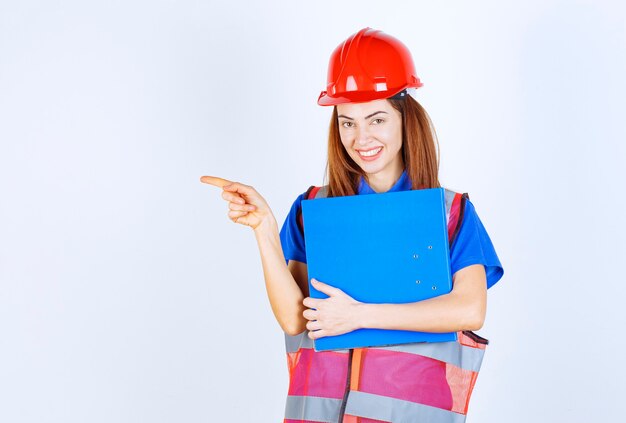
(361, 404)
(314, 409)
(429, 382)
(465, 357)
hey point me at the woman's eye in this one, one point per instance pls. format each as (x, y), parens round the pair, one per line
(377, 121)
(347, 124)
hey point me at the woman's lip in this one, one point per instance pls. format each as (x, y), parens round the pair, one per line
(371, 158)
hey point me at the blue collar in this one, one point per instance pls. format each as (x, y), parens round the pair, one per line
(402, 184)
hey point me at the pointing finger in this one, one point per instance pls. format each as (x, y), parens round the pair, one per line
(214, 180)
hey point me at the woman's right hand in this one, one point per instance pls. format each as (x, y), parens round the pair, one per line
(246, 205)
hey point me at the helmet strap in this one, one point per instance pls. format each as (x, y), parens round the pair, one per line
(399, 96)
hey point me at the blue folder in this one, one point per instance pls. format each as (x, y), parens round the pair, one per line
(379, 248)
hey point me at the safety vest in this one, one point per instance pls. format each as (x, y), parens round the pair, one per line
(418, 382)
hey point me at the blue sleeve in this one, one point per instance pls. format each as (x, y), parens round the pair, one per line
(473, 246)
(291, 238)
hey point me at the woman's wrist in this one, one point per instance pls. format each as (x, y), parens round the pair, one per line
(267, 227)
(361, 316)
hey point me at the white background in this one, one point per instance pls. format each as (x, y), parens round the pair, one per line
(126, 294)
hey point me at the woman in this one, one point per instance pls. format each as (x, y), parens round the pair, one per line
(380, 140)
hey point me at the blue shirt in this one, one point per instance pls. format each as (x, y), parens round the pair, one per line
(471, 246)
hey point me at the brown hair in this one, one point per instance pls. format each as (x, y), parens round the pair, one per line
(420, 152)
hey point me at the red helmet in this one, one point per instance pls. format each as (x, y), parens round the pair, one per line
(369, 65)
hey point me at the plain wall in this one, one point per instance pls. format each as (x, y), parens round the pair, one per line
(127, 295)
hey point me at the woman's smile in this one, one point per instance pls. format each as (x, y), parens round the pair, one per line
(370, 155)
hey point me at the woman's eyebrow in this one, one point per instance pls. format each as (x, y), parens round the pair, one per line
(366, 117)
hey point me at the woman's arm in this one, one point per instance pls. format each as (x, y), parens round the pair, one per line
(284, 284)
(248, 207)
(463, 308)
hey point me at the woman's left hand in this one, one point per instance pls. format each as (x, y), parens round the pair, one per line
(334, 315)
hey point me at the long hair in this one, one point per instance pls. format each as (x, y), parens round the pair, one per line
(420, 152)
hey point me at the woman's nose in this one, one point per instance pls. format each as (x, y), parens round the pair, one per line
(362, 136)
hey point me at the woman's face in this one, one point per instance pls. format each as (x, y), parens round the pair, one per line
(371, 133)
